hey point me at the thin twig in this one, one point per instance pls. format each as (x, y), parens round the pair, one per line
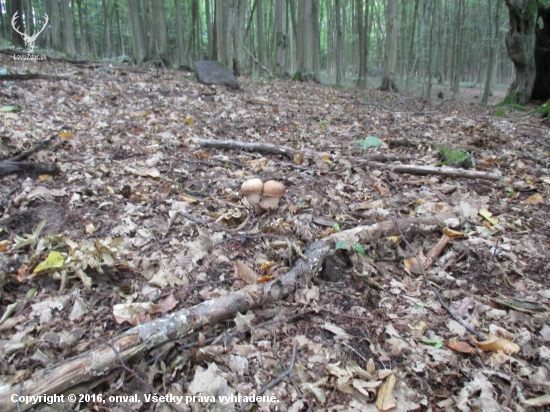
(258, 326)
(260, 64)
(279, 379)
(134, 374)
(478, 335)
(39, 146)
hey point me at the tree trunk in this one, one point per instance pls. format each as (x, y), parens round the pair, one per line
(180, 48)
(3, 25)
(55, 24)
(119, 31)
(541, 90)
(390, 50)
(209, 30)
(493, 32)
(455, 78)
(520, 42)
(306, 40)
(293, 36)
(159, 31)
(315, 38)
(430, 53)
(29, 23)
(339, 43)
(68, 32)
(260, 34)
(239, 31)
(361, 52)
(16, 39)
(106, 29)
(280, 37)
(140, 51)
(82, 27)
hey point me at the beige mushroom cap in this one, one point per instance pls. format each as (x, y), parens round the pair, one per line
(252, 189)
(273, 190)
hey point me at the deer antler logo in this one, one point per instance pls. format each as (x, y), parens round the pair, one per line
(29, 40)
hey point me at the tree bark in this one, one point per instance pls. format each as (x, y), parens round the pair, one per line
(390, 50)
(280, 37)
(520, 42)
(119, 31)
(16, 39)
(541, 91)
(159, 31)
(209, 30)
(339, 43)
(55, 24)
(106, 29)
(68, 32)
(140, 47)
(82, 26)
(260, 34)
(493, 42)
(361, 52)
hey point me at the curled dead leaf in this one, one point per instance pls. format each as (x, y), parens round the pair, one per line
(494, 343)
(384, 399)
(246, 273)
(459, 346)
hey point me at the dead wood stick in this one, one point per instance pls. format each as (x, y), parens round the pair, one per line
(477, 334)
(37, 147)
(35, 76)
(279, 379)
(432, 170)
(249, 147)
(102, 359)
(260, 64)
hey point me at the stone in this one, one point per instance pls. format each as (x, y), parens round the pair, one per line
(213, 72)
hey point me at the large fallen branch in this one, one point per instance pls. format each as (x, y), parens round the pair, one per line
(290, 152)
(101, 360)
(249, 147)
(433, 170)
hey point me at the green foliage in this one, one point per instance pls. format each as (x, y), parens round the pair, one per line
(323, 123)
(341, 244)
(437, 344)
(297, 77)
(518, 107)
(370, 141)
(499, 112)
(509, 99)
(6, 109)
(336, 227)
(454, 158)
(359, 249)
(544, 109)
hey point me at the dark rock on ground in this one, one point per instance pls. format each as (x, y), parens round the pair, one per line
(213, 72)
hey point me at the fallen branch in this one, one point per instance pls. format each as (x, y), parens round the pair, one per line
(35, 76)
(432, 170)
(477, 334)
(259, 64)
(279, 379)
(249, 147)
(101, 360)
(9, 167)
(36, 148)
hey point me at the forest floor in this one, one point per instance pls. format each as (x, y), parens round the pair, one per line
(141, 222)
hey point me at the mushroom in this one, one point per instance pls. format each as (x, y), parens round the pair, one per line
(252, 189)
(273, 190)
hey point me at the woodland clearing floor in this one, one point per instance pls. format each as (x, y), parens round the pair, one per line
(130, 169)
